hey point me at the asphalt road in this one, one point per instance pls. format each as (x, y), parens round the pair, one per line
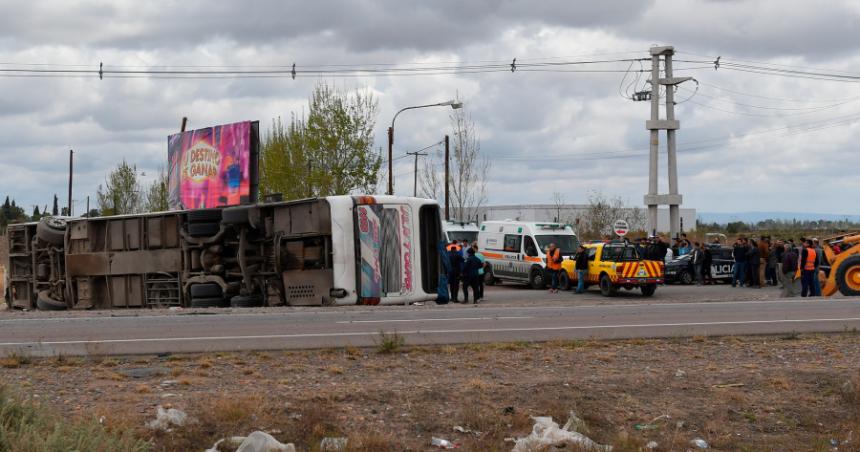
(429, 324)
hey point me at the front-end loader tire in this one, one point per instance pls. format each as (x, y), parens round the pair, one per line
(848, 277)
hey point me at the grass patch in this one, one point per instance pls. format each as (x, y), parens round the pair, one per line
(27, 426)
(14, 360)
(389, 342)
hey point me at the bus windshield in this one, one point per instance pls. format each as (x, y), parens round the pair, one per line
(566, 243)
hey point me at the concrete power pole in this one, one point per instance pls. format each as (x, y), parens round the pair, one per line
(670, 125)
(416, 154)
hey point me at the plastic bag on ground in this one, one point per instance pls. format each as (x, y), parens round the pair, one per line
(264, 442)
(546, 433)
(166, 418)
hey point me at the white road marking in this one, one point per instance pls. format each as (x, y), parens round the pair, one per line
(387, 309)
(414, 332)
(436, 320)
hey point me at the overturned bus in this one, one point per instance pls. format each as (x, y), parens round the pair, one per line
(337, 250)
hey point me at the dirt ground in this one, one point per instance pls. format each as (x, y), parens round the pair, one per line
(748, 393)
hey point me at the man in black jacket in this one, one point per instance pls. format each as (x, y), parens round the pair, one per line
(739, 253)
(753, 263)
(581, 268)
(456, 259)
(470, 276)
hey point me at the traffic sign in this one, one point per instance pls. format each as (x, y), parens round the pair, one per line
(621, 228)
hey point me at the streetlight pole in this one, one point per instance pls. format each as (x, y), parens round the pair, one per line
(451, 103)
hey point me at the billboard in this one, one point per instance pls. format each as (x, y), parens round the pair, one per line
(213, 167)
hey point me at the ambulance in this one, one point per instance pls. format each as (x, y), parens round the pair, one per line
(516, 250)
(460, 230)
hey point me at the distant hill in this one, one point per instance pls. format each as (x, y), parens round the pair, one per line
(755, 217)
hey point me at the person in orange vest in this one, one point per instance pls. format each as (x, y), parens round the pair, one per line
(808, 264)
(553, 266)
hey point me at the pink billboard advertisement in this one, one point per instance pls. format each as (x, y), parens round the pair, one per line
(213, 167)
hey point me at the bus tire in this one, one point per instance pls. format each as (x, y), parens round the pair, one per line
(45, 303)
(648, 290)
(206, 290)
(564, 280)
(51, 230)
(204, 216)
(606, 288)
(848, 277)
(240, 216)
(246, 301)
(536, 279)
(203, 229)
(211, 302)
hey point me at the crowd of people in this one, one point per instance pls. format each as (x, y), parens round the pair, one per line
(466, 270)
(763, 262)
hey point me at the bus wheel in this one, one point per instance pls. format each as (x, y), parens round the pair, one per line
(606, 288)
(536, 279)
(564, 280)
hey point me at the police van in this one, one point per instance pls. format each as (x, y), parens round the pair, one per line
(516, 250)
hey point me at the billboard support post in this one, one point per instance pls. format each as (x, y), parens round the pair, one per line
(184, 122)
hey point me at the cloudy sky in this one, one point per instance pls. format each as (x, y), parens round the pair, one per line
(748, 141)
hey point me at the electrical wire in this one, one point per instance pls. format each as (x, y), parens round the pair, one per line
(706, 143)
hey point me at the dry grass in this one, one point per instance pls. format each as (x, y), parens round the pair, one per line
(334, 370)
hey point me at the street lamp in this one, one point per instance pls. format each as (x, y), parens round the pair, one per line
(451, 103)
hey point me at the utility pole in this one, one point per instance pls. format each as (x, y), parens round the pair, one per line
(416, 154)
(390, 163)
(447, 179)
(71, 166)
(670, 125)
(88, 206)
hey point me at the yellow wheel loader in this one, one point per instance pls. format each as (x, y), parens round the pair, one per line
(844, 274)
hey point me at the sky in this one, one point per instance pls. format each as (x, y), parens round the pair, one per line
(748, 141)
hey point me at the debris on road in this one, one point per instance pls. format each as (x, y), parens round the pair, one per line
(680, 373)
(164, 419)
(461, 429)
(651, 445)
(443, 443)
(651, 425)
(333, 444)
(546, 433)
(729, 385)
(700, 443)
(260, 441)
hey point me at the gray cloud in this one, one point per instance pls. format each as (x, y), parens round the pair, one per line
(544, 132)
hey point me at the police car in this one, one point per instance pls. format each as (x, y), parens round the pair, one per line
(681, 270)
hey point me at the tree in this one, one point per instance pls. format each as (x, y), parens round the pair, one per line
(56, 210)
(603, 211)
(468, 170)
(157, 194)
(284, 164)
(328, 153)
(36, 214)
(121, 193)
